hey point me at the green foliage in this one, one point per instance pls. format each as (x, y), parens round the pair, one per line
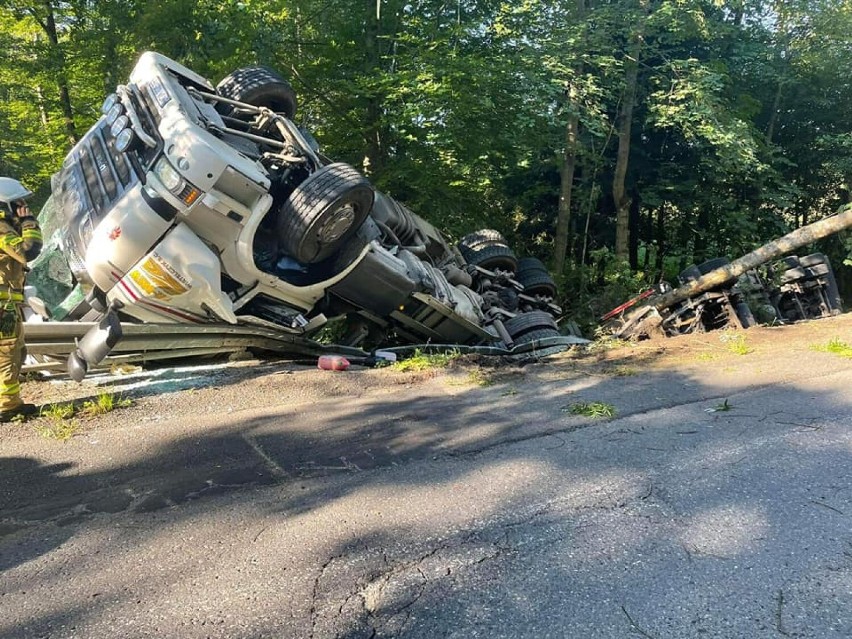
(740, 132)
(104, 402)
(421, 361)
(735, 342)
(595, 410)
(835, 346)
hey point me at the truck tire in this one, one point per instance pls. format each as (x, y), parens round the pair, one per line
(323, 212)
(818, 270)
(539, 333)
(525, 322)
(260, 87)
(793, 274)
(712, 265)
(535, 277)
(813, 259)
(689, 274)
(482, 238)
(493, 257)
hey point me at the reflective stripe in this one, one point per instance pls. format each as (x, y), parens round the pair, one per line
(10, 389)
(8, 296)
(10, 239)
(33, 234)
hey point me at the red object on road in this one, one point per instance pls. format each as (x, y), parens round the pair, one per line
(332, 363)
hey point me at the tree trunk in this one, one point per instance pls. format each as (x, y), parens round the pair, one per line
(625, 125)
(699, 243)
(773, 115)
(374, 158)
(49, 26)
(661, 238)
(633, 235)
(775, 249)
(566, 186)
(566, 172)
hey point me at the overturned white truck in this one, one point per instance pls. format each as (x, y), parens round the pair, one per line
(191, 203)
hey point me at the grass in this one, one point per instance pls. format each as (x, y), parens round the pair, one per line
(624, 371)
(61, 426)
(606, 343)
(61, 430)
(836, 346)
(736, 343)
(104, 403)
(478, 377)
(421, 361)
(595, 410)
(706, 357)
(724, 407)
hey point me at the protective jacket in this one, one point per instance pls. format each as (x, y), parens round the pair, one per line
(20, 242)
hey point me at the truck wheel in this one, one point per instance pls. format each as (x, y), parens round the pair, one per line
(482, 238)
(540, 333)
(489, 249)
(793, 274)
(323, 211)
(689, 275)
(260, 87)
(818, 269)
(534, 276)
(526, 322)
(493, 257)
(812, 260)
(712, 265)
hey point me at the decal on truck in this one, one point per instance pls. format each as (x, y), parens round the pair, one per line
(158, 279)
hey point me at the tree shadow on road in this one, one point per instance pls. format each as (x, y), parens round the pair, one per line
(563, 523)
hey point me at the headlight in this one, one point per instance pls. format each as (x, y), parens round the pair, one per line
(110, 101)
(115, 111)
(124, 140)
(121, 122)
(170, 178)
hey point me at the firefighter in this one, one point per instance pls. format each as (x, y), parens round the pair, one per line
(20, 241)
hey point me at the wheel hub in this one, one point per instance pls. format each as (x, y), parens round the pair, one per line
(337, 224)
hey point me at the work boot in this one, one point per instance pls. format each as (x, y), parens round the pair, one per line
(23, 410)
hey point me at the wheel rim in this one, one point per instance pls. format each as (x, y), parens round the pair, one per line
(336, 226)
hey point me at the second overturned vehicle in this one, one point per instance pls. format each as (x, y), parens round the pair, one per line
(193, 203)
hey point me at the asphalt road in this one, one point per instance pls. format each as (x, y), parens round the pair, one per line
(716, 504)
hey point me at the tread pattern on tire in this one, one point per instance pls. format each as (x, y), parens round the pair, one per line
(540, 333)
(246, 84)
(526, 322)
(712, 265)
(306, 204)
(495, 256)
(537, 283)
(535, 277)
(813, 259)
(482, 238)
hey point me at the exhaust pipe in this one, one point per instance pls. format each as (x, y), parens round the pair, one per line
(95, 345)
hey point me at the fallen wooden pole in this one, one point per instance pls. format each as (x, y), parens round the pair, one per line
(775, 249)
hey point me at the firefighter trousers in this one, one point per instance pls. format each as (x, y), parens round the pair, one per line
(11, 359)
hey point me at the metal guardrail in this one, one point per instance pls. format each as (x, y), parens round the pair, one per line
(49, 343)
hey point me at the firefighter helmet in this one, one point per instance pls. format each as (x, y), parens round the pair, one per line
(11, 190)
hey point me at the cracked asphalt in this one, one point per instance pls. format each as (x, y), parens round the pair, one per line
(267, 499)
